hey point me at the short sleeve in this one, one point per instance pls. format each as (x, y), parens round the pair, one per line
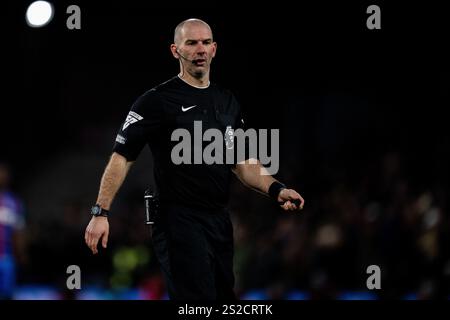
(144, 120)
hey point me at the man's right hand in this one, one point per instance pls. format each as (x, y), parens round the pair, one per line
(97, 228)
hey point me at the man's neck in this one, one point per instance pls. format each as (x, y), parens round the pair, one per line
(202, 82)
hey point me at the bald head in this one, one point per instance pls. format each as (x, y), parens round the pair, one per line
(182, 26)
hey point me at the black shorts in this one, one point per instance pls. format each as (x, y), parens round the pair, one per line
(195, 251)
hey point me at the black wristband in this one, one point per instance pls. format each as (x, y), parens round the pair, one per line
(275, 188)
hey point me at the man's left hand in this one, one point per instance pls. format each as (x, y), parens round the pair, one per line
(286, 199)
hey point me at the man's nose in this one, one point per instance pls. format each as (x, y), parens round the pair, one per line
(201, 49)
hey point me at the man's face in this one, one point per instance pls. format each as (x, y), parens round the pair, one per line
(196, 44)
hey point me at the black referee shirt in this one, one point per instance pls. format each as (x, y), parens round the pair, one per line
(152, 119)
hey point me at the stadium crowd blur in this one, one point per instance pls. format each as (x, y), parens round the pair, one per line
(367, 204)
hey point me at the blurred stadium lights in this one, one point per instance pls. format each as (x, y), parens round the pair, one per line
(37, 292)
(39, 14)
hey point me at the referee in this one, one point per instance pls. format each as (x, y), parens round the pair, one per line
(192, 234)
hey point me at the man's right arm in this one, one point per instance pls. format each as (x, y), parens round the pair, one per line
(112, 179)
(143, 121)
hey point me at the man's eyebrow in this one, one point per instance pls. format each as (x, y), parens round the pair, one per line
(197, 40)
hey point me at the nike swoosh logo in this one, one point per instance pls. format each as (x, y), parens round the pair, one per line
(186, 109)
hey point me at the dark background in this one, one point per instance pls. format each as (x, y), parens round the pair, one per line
(364, 138)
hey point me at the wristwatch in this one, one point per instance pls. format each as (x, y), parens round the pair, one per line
(98, 211)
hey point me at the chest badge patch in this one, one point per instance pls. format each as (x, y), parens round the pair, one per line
(229, 137)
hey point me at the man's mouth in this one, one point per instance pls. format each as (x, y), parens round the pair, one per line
(199, 62)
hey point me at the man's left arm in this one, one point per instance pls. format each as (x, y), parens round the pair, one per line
(253, 174)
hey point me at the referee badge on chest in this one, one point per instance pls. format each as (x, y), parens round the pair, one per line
(229, 137)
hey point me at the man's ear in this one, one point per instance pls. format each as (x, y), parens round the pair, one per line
(214, 49)
(173, 49)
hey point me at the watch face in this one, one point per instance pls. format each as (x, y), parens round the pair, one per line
(95, 210)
